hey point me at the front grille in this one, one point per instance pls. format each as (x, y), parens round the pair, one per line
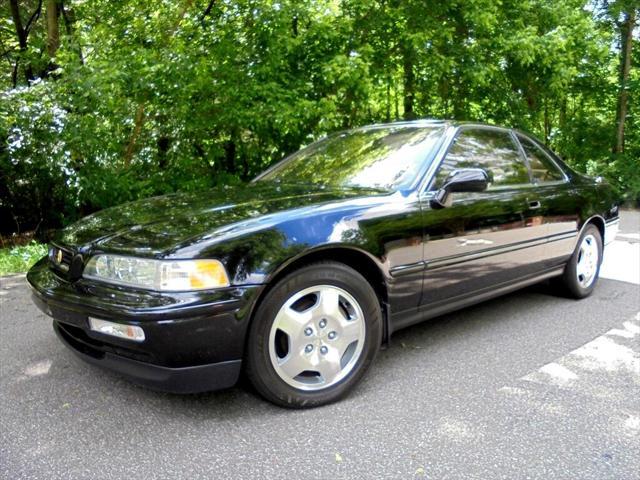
(60, 258)
(66, 262)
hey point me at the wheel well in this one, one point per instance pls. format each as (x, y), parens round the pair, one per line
(599, 223)
(355, 259)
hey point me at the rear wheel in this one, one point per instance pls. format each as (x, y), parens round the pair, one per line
(581, 272)
(314, 335)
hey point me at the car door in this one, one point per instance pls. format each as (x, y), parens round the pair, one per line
(558, 202)
(481, 240)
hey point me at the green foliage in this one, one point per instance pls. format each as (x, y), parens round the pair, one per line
(20, 259)
(144, 98)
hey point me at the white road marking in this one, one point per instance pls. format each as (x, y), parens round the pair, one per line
(558, 373)
(630, 330)
(605, 353)
(604, 370)
(615, 351)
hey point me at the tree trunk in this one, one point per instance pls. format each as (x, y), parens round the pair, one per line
(53, 29)
(137, 128)
(230, 156)
(443, 91)
(68, 14)
(140, 117)
(626, 37)
(409, 80)
(22, 37)
(163, 143)
(396, 107)
(562, 116)
(460, 99)
(388, 106)
(547, 122)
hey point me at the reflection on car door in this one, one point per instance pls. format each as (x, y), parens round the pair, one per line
(558, 202)
(483, 239)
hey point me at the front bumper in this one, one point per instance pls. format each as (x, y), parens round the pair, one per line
(611, 228)
(194, 341)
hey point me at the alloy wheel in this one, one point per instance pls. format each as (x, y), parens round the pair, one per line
(588, 259)
(317, 337)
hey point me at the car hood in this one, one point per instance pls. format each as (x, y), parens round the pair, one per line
(157, 225)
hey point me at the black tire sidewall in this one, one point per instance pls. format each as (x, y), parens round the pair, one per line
(259, 368)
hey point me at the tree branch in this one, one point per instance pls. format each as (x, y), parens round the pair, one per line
(207, 11)
(33, 18)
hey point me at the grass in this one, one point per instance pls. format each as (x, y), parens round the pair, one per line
(20, 259)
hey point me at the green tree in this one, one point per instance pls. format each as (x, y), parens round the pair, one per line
(103, 102)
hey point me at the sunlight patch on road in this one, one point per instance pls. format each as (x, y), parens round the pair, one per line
(523, 396)
(12, 281)
(632, 425)
(455, 429)
(37, 369)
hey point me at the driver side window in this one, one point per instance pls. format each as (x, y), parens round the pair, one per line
(492, 150)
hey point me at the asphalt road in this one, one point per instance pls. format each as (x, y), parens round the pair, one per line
(530, 385)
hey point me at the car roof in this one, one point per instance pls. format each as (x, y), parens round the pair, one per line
(429, 122)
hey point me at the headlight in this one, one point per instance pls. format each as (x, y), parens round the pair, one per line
(167, 275)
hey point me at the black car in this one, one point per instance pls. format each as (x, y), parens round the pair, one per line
(299, 277)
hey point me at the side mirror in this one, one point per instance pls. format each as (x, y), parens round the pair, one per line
(463, 180)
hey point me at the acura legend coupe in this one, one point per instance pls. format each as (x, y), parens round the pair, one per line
(298, 278)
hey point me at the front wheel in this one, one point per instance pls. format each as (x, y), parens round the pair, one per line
(313, 336)
(581, 272)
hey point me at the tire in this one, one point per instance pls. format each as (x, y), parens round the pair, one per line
(583, 268)
(323, 320)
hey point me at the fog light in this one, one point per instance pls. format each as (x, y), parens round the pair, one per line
(120, 330)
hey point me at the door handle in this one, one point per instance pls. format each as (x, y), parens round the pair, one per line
(534, 205)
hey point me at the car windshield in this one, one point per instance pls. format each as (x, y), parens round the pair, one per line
(386, 158)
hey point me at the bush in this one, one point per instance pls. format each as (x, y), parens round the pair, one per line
(21, 258)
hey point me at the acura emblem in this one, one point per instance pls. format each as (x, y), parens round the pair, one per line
(59, 256)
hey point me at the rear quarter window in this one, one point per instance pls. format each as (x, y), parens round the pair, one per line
(543, 169)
